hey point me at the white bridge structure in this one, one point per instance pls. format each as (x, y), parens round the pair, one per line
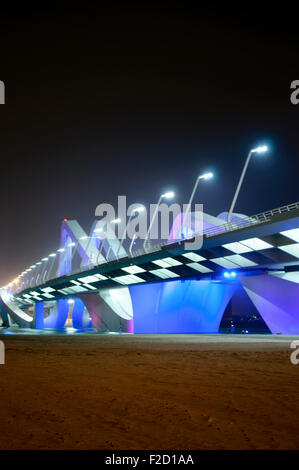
(96, 281)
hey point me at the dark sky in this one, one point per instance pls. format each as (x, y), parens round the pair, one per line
(136, 100)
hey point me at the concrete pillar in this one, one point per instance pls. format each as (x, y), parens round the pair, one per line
(277, 301)
(190, 306)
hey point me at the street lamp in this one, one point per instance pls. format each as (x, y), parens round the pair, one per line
(205, 176)
(168, 195)
(138, 210)
(261, 149)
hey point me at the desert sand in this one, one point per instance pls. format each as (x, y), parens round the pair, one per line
(148, 392)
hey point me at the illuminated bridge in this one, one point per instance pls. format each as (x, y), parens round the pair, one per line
(97, 283)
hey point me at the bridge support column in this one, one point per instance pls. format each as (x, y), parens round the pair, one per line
(39, 315)
(80, 315)
(110, 310)
(276, 299)
(4, 318)
(56, 318)
(190, 306)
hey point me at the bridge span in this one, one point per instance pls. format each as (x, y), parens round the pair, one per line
(166, 288)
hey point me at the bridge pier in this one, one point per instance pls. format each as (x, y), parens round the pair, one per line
(110, 310)
(80, 316)
(57, 316)
(190, 306)
(4, 318)
(276, 299)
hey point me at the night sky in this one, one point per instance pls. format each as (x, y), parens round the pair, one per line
(136, 100)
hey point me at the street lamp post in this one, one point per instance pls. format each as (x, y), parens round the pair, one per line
(132, 243)
(134, 211)
(205, 176)
(262, 149)
(168, 195)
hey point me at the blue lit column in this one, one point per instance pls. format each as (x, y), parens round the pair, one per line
(190, 306)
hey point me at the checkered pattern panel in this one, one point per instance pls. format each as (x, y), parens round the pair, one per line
(280, 248)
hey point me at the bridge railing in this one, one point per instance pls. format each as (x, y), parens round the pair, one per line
(252, 220)
(50, 269)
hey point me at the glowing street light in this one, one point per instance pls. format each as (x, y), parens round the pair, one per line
(205, 176)
(261, 149)
(168, 195)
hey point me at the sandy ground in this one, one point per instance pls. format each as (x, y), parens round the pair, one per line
(148, 392)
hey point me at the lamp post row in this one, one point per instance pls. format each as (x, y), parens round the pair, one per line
(170, 195)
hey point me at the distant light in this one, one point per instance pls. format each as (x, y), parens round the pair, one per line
(115, 221)
(139, 209)
(262, 149)
(33, 266)
(60, 250)
(39, 263)
(83, 238)
(98, 230)
(226, 274)
(168, 195)
(233, 274)
(70, 301)
(71, 244)
(45, 259)
(65, 220)
(206, 176)
(52, 255)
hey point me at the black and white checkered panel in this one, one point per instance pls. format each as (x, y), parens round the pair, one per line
(280, 248)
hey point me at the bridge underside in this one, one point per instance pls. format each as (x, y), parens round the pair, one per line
(178, 306)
